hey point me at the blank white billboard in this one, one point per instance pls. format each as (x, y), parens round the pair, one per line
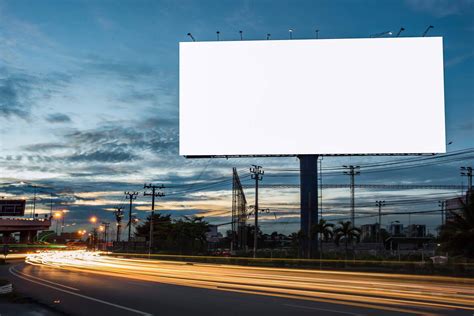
(295, 97)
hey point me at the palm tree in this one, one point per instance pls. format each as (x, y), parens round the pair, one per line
(457, 235)
(346, 232)
(324, 229)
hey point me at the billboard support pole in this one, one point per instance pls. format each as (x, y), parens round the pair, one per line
(309, 203)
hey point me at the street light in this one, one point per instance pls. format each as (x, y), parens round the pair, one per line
(63, 214)
(57, 216)
(93, 220)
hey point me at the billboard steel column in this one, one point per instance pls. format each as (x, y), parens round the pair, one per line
(309, 202)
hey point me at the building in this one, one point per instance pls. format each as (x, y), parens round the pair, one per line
(213, 235)
(410, 245)
(396, 229)
(452, 207)
(369, 232)
(415, 230)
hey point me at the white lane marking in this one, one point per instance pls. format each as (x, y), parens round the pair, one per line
(51, 282)
(81, 295)
(323, 309)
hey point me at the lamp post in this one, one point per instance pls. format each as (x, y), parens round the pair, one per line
(57, 216)
(93, 221)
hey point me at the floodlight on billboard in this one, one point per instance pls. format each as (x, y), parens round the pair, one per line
(312, 97)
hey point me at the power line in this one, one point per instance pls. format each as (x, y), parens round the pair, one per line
(369, 186)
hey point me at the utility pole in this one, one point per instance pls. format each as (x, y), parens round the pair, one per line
(51, 205)
(131, 196)
(467, 172)
(106, 229)
(34, 201)
(379, 230)
(153, 194)
(352, 173)
(442, 205)
(118, 217)
(62, 225)
(257, 175)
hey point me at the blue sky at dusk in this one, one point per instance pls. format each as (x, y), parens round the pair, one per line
(89, 102)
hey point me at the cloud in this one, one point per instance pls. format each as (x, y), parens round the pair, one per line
(125, 70)
(458, 59)
(20, 91)
(15, 94)
(467, 126)
(104, 22)
(161, 138)
(58, 118)
(111, 156)
(44, 147)
(441, 8)
(246, 17)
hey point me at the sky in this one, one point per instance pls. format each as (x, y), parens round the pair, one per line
(89, 106)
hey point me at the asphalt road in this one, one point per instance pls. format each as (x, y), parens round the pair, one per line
(95, 285)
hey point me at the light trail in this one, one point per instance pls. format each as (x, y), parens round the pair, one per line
(413, 294)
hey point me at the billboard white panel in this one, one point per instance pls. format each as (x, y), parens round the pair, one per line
(341, 96)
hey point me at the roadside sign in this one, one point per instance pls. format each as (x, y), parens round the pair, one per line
(12, 207)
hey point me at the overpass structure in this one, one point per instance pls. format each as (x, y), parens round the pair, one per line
(27, 227)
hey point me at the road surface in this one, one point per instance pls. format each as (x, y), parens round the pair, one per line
(81, 283)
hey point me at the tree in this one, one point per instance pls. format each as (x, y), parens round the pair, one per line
(189, 231)
(297, 240)
(347, 233)
(185, 234)
(162, 227)
(324, 230)
(457, 235)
